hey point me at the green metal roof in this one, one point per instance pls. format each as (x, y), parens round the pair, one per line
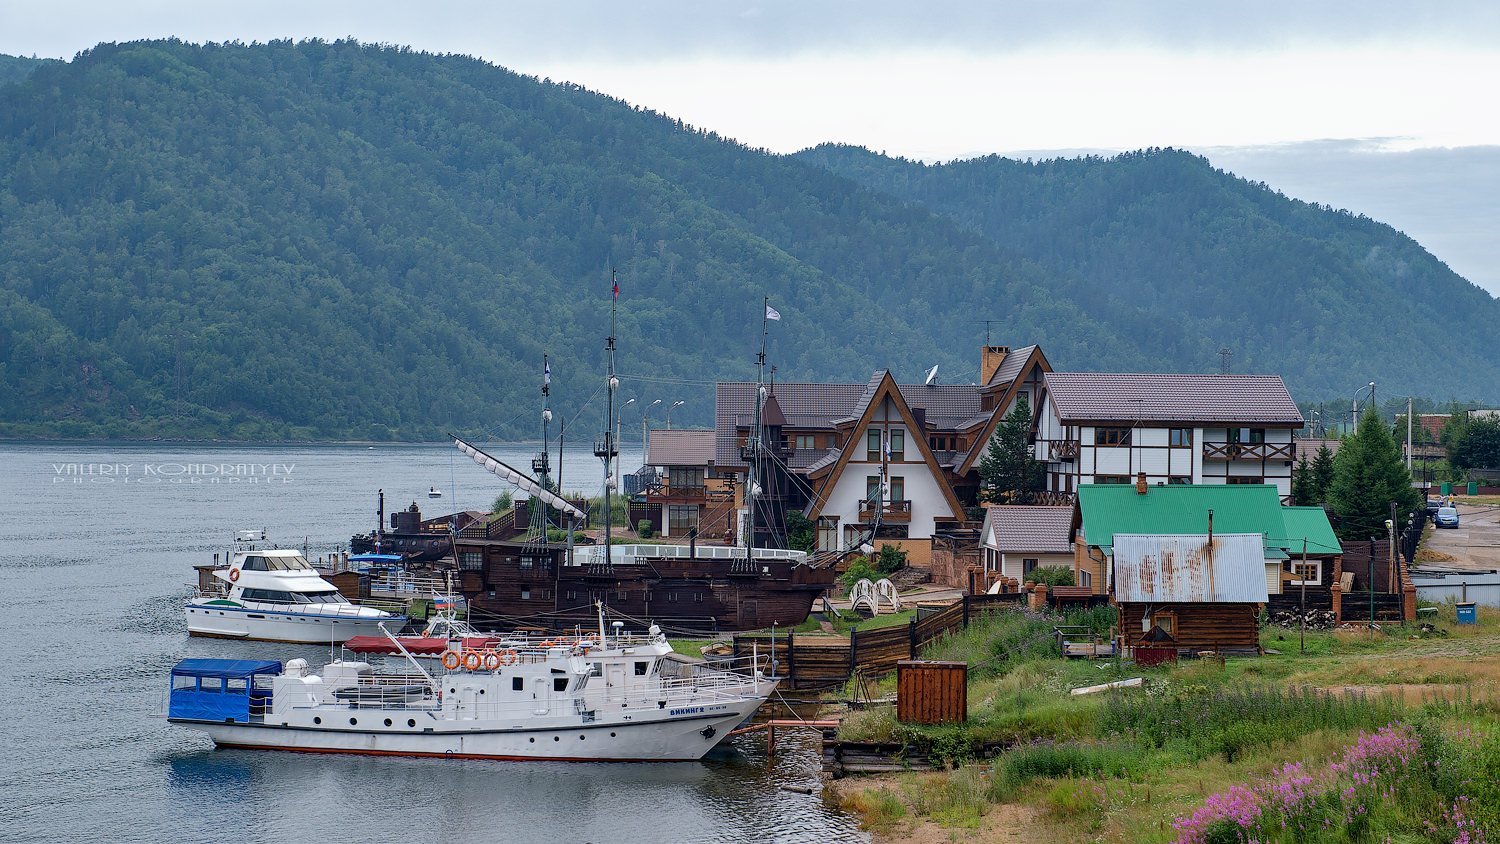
(1108, 509)
(1311, 523)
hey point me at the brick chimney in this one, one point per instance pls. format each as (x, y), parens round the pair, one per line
(1140, 483)
(990, 358)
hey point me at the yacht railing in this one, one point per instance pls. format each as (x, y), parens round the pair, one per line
(339, 610)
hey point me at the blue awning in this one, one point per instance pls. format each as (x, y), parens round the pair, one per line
(225, 668)
(376, 558)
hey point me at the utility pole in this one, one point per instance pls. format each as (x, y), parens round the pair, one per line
(1302, 635)
(1391, 528)
(1408, 435)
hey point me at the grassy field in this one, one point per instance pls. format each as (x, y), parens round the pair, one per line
(1202, 751)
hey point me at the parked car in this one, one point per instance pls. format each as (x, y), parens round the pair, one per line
(1447, 517)
(1433, 505)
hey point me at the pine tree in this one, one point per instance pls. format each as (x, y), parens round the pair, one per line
(1322, 474)
(1304, 492)
(1008, 471)
(1368, 475)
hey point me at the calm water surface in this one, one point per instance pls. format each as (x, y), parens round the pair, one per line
(93, 570)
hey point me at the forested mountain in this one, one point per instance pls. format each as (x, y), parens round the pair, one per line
(334, 240)
(16, 68)
(1329, 299)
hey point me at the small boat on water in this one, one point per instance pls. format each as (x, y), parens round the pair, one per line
(434, 492)
(276, 595)
(524, 701)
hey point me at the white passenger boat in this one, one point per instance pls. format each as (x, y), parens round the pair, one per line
(276, 595)
(528, 703)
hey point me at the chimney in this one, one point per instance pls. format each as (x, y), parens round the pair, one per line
(990, 358)
(1140, 484)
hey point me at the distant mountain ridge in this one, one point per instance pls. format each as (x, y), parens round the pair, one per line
(334, 240)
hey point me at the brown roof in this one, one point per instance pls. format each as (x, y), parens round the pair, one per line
(818, 406)
(1010, 368)
(1082, 397)
(680, 448)
(1019, 528)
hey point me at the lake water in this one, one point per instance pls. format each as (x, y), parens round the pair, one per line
(96, 548)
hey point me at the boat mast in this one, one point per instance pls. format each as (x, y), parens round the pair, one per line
(540, 520)
(755, 444)
(606, 449)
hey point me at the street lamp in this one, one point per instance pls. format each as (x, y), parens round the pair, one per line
(673, 406)
(645, 434)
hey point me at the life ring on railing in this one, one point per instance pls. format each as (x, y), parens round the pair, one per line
(491, 660)
(453, 662)
(508, 656)
(234, 574)
(547, 643)
(472, 660)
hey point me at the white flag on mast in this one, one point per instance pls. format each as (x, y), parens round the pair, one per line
(772, 313)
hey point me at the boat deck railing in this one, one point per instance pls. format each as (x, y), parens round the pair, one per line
(339, 610)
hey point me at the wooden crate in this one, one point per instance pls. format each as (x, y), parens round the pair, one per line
(932, 692)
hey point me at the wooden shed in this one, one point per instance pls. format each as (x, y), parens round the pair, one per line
(1193, 591)
(932, 692)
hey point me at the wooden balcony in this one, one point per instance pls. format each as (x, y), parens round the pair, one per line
(890, 511)
(712, 489)
(1248, 451)
(1062, 449)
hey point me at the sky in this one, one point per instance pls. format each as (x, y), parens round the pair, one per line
(1384, 108)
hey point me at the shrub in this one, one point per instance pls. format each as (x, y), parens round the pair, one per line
(643, 528)
(1051, 575)
(859, 569)
(890, 559)
(878, 810)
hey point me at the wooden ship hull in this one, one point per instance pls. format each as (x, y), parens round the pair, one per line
(526, 585)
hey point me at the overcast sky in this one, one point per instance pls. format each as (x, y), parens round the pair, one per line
(1386, 108)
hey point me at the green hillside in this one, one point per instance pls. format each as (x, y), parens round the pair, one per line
(333, 240)
(1329, 299)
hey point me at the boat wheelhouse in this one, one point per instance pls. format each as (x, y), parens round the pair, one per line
(276, 595)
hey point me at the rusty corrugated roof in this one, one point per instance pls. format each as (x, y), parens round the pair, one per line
(1180, 568)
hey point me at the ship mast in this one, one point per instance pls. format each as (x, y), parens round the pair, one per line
(540, 465)
(606, 450)
(756, 445)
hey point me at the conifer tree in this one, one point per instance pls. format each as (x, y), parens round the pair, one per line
(1367, 476)
(1322, 474)
(1008, 471)
(1304, 492)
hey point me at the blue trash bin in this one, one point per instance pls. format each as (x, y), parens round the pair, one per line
(1467, 613)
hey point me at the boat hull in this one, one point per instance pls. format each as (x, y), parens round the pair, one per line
(669, 740)
(223, 622)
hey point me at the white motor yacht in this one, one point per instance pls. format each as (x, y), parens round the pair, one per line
(276, 595)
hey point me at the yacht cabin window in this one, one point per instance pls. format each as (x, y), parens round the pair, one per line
(641, 668)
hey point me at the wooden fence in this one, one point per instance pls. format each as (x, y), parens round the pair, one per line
(816, 660)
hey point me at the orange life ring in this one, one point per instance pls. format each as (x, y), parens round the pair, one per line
(452, 663)
(491, 660)
(234, 574)
(472, 660)
(508, 656)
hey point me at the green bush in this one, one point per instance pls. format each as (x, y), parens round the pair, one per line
(890, 560)
(643, 528)
(1051, 575)
(859, 569)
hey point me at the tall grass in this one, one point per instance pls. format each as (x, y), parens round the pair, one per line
(1046, 760)
(1000, 640)
(1203, 722)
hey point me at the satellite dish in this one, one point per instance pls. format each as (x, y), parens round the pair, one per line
(931, 375)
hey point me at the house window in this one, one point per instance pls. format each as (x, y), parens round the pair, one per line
(1111, 436)
(898, 489)
(1244, 479)
(527, 562)
(1111, 479)
(1179, 437)
(872, 487)
(872, 445)
(828, 533)
(1085, 577)
(1027, 565)
(525, 594)
(1180, 479)
(1247, 435)
(471, 560)
(806, 441)
(1167, 621)
(1308, 573)
(681, 518)
(685, 477)
(898, 444)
